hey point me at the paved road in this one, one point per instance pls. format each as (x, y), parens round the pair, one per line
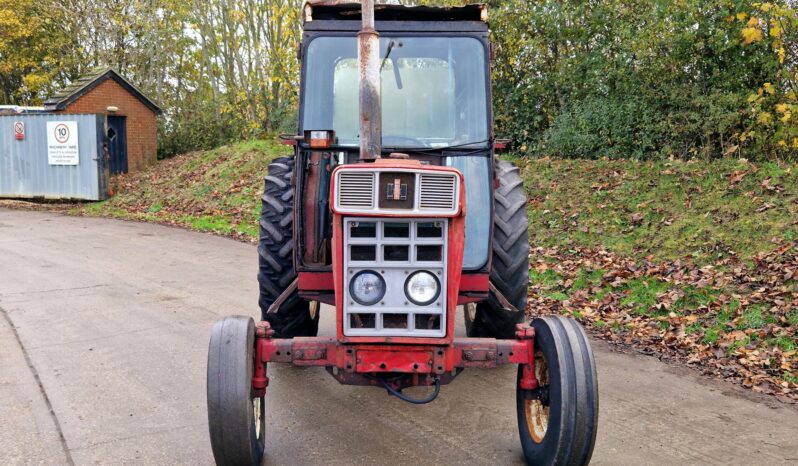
(103, 333)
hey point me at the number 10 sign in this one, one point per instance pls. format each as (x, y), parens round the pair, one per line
(62, 143)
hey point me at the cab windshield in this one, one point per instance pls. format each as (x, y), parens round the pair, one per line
(433, 91)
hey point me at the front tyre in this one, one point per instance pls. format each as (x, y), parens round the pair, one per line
(558, 421)
(236, 416)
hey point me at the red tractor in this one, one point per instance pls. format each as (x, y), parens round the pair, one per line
(394, 211)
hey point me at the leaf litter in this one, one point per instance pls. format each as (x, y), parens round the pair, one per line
(730, 320)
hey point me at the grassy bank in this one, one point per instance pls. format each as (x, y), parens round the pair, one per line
(214, 191)
(694, 261)
(666, 210)
(689, 260)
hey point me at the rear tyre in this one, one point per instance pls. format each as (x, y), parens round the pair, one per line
(558, 421)
(236, 417)
(510, 265)
(276, 255)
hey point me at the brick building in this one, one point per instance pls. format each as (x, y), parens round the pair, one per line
(131, 117)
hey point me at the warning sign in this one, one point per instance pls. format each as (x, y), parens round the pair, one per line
(62, 143)
(19, 130)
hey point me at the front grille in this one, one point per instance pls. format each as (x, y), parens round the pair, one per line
(395, 249)
(421, 192)
(437, 192)
(356, 189)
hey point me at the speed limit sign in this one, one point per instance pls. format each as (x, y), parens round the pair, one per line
(62, 143)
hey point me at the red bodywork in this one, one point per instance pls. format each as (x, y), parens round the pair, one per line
(456, 242)
(355, 363)
(356, 360)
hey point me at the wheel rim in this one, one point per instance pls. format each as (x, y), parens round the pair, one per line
(256, 407)
(536, 413)
(471, 312)
(313, 309)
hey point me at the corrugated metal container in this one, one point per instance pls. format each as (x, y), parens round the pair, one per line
(38, 165)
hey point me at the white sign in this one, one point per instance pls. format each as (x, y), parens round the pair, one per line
(62, 143)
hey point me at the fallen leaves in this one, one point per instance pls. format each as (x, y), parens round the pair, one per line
(636, 218)
(737, 176)
(765, 206)
(735, 318)
(730, 320)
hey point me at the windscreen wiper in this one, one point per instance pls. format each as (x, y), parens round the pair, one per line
(387, 54)
(396, 74)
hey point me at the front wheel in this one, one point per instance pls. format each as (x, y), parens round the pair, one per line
(236, 416)
(558, 420)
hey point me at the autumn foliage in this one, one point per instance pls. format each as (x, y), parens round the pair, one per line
(647, 79)
(772, 106)
(620, 79)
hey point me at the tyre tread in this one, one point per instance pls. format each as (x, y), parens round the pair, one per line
(229, 382)
(510, 264)
(575, 433)
(276, 259)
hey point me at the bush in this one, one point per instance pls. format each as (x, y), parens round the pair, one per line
(645, 79)
(205, 127)
(603, 127)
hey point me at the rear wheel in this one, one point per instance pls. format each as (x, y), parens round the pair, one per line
(276, 255)
(558, 420)
(510, 265)
(236, 416)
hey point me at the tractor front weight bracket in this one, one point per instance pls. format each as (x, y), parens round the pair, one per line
(371, 363)
(259, 379)
(524, 332)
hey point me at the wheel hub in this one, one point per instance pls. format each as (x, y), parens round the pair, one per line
(536, 406)
(256, 407)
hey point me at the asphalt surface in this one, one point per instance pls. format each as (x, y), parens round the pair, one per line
(103, 335)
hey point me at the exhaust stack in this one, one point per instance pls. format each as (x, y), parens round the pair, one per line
(368, 54)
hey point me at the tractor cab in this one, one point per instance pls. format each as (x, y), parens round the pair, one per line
(434, 75)
(394, 214)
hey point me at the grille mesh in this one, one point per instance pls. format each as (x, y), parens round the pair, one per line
(437, 192)
(356, 190)
(395, 314)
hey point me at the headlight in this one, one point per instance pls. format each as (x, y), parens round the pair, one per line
(422, 288)
(367, 287)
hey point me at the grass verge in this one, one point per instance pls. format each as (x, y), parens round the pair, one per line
(702, 211)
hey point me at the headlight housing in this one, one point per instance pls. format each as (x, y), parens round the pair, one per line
(367, 287)
(422, 288)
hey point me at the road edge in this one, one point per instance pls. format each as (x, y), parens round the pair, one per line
(42, 391)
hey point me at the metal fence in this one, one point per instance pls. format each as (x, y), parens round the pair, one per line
(53, 156)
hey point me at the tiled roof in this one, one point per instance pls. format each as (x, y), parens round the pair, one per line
(61, 99)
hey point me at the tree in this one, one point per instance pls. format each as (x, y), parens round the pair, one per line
(32, 58)
(249, 49)
(614, 78)
(627, 78)
(773, 107)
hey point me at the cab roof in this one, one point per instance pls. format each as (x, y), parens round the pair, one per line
(349, 10)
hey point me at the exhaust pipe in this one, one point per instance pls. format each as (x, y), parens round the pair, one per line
(368, 55)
